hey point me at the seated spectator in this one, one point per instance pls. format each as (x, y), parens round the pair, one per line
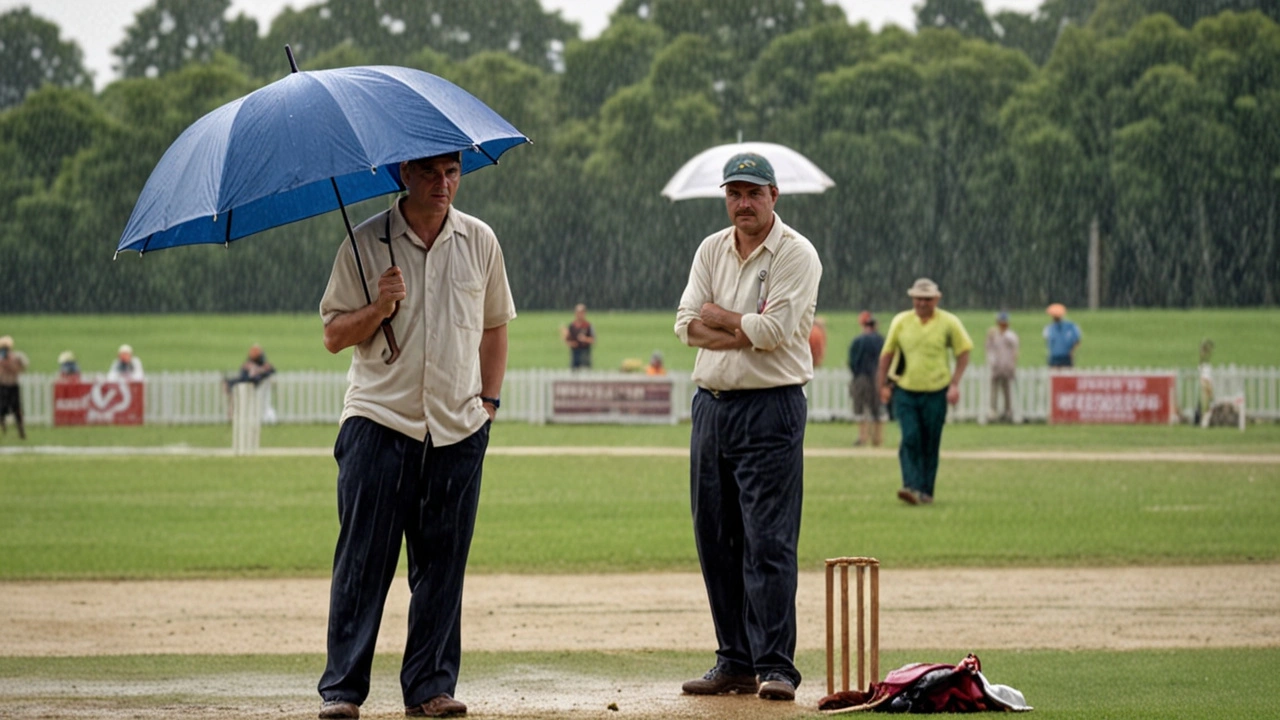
(655, 365)
(254, 369)
(126, 367)
(68, 368)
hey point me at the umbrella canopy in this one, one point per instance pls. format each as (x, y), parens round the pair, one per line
(702, 175)
(304, 145)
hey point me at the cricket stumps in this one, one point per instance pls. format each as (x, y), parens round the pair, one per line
(867, 608)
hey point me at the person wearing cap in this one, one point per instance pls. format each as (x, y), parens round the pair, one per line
(864, 358)
(1062, 337)
(12, 364)
(655, 366)
(1002, 361)
(127, 366)
(414, 430)
(68, 367)
(925, 386)
(748, 308)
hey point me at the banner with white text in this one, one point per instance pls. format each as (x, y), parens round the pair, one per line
(1113, 399)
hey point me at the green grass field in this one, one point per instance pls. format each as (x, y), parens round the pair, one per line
(110, 518)
(1125, 338)
(155, 517)
(181, 517)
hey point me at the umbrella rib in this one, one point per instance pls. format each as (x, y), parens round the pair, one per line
(484, 152)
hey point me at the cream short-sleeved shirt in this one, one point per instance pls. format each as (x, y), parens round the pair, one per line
(454, 292)
(777, 311)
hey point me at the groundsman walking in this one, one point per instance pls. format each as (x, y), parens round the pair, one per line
(925, 385)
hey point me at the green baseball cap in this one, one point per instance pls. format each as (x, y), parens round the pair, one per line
(748, 167)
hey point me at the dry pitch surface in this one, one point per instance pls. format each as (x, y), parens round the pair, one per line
(1111, 608)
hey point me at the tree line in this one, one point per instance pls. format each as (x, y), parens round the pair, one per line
(1124, 152)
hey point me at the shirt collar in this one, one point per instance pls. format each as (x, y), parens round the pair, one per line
(400, 226)
(772, 241)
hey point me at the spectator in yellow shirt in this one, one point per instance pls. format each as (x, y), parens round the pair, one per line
(925, 384)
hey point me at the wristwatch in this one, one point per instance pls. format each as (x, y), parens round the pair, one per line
(495, 402)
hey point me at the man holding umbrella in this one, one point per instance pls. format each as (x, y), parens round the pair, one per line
(748, 308)
(415, 428)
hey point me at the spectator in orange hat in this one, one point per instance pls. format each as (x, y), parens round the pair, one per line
(1062, 336)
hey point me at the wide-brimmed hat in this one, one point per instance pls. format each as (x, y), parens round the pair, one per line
(6, 341)
(66, 356)
(125, 350)
(1002, 317)
(924, 288)
(1056, 310)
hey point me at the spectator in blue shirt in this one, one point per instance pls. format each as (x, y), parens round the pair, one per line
(1062, 336)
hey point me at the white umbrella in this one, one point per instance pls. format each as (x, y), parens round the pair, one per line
(701, 176)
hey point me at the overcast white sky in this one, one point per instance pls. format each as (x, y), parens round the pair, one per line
(98, 25)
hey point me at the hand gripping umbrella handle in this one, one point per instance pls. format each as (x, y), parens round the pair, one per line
(393, 348)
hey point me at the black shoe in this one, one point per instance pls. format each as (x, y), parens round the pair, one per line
(777, 688)
(718, 682)
(339, 710)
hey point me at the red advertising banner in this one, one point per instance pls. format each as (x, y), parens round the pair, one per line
(100, 402)
(611, 401)
(1114, 399)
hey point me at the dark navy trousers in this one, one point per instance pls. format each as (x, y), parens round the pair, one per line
(391, 486)
(921, 416)
(747, 469)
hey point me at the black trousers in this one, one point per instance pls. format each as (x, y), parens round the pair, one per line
(392, 486)
(747, 470)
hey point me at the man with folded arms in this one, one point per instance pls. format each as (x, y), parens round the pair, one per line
(748, 308)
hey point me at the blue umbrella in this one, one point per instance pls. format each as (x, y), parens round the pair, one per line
(304, 145)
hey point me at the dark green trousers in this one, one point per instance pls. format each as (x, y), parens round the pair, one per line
(921, 416)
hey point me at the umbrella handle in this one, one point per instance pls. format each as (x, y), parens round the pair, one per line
(392, 346)
(387, 323)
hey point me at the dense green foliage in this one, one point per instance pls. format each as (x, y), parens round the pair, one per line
(988, 153)
(1112, 338)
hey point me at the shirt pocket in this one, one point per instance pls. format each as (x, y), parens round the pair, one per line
(467, 295)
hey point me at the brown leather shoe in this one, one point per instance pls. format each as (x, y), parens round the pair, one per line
(442, 705)
(777, 689)
(339, 710)
(909, 496)
(718, 682)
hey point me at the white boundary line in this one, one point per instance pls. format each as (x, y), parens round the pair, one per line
(671, 452)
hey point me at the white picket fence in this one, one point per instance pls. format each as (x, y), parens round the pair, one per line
(200, 398)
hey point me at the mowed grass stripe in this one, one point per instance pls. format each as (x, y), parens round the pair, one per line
(181, 517)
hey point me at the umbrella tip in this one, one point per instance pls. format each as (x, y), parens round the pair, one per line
(293, 64)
